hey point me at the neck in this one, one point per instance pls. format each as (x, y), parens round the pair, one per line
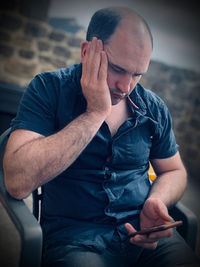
(119, 113)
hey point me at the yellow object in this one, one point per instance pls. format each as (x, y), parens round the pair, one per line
(152, 175)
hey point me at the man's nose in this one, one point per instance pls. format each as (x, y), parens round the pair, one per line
(124, 83)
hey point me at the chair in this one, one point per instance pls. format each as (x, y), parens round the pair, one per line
(26, 232)
(20, 232)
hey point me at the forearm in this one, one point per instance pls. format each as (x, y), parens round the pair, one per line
(41, 160)
(169, 186)
(32, 160)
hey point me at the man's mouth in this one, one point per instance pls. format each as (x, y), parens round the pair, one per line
(118, 95)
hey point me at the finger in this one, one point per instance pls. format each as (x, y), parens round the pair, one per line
(103, 69)
(162, 211)
(143, 238)
(85, 60)
(161, 234)
(91, 52)
(165, 215)
(95, 58)
(147, 245)
(91, 61)
(130, 229)
(151, 246)
(144, 241)
(92, 49)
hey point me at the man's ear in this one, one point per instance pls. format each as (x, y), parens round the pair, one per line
(83, 49)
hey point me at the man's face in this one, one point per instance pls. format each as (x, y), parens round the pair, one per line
(127, 61)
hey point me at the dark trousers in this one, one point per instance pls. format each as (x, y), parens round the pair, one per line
(170, 252)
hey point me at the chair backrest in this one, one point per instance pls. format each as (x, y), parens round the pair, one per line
(20, 232)
(3, 142)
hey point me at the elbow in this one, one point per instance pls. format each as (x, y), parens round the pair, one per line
(15, 191)
(14, 181)
(17, 194)
(14, 187)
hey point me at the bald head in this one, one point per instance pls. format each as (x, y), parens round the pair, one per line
(105, 22)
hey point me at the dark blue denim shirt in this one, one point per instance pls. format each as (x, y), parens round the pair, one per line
(108, 183)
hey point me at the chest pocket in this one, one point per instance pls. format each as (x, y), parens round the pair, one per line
(132, 148)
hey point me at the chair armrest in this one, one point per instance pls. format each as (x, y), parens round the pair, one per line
(27, 226)
(189, 228)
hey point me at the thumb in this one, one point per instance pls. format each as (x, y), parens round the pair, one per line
(163, 211)
(130, 229)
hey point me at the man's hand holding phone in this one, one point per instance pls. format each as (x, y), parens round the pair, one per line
(155, 223)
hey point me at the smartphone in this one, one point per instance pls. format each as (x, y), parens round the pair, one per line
(158, 228)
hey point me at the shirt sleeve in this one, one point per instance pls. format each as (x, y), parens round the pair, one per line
(36, 111)
(164, 141)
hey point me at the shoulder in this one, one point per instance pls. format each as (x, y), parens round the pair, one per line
(56, 84)
(148, 97)
(72, 73)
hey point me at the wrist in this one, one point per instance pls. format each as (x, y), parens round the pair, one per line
(158, 194)
(156, 198)
(156, 207)
(95, 116)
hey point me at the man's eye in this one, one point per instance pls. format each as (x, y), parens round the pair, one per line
(137, 75)
(117, 70)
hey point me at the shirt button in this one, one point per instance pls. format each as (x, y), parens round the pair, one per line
(108, 210)
(108, 159)
(106, 184)
(108, 175)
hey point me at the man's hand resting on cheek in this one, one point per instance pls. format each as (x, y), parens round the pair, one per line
(94, 79)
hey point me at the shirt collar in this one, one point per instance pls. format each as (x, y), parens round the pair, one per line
(137, 100)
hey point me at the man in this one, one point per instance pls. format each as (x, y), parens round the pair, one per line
(87, 134)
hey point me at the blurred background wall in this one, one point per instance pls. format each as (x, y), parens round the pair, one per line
(42, 35)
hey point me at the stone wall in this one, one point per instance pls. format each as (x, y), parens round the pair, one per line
(180, 89)
(28, 47)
